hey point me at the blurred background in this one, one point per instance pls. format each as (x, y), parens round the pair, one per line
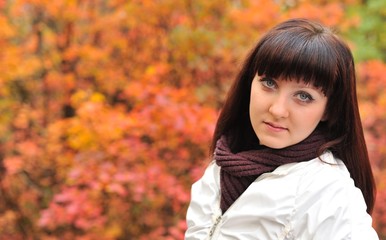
(107, 108)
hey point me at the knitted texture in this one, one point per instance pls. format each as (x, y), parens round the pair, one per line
(239, 170)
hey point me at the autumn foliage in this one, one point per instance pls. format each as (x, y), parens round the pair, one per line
(108, 107)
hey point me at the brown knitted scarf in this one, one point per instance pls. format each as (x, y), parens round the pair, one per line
(239, 170)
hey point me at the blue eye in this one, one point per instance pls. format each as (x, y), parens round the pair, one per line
(268, 82)
(305, 97)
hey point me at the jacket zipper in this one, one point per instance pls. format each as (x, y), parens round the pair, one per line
(213, 229)
(218, 217)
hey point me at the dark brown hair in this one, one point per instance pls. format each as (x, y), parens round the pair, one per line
(306, 50)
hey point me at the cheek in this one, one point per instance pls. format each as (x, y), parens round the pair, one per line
(256, 107)
(258, 101)
(256, 110)
(313, 117)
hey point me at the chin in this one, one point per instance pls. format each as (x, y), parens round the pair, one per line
(273, 145)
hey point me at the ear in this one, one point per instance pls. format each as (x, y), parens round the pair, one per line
(325, 117)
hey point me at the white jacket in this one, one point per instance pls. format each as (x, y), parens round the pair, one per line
(307, 200)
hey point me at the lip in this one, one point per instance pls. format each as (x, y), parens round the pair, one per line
(275, 127)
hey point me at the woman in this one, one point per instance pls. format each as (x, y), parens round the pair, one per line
(285, 145)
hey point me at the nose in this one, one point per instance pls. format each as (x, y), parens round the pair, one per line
(279, 108)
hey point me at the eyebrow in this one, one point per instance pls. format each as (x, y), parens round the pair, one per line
(307, 85)
(312, 87)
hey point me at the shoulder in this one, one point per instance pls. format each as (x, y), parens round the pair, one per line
(324, 174)
(209, 184)
(203, 203)
(327, 180)
(210, 176)
(329, 204)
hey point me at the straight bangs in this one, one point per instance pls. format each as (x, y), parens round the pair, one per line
(298, 56)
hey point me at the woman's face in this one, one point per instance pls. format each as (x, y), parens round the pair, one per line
(284, 113)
